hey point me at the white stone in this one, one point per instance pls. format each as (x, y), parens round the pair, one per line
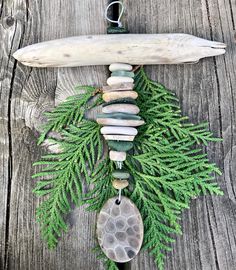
(116, 80)
(119, 130)
(126, 138)
(119, 122)
(124, 108)
(117, 156)
(119, 94)
(120, 66)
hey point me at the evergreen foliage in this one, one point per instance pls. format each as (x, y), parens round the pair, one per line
(166, 167)
(71, 111)
(63, 175)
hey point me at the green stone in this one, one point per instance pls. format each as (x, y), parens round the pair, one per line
(119, 115)
(120, 100)
(117, 30)
(120, 146)
(122, 73)
(120, 174)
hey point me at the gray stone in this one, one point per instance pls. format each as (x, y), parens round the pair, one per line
(118, 87)
(124, 108)
(124, 243)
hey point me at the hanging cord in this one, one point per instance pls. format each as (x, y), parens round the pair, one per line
(116, 29)
(120, 15)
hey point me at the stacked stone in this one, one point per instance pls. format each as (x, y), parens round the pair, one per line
(119, 117)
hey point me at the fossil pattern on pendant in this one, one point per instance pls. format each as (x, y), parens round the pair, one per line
(120, 229)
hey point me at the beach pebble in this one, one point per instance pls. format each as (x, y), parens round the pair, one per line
(121, 174)
(120, 184)
(119, 115)
(115, 80)
(122, 73)
(119, 122)
(117, 156)
(126, 138)
(119, 130)
(110, 96)
(124, 108)
(120, 66)
(120, 101)
(118, 87)
(121, 146)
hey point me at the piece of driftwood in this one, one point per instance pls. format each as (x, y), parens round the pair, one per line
(135, 49)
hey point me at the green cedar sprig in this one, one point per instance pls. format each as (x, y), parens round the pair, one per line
(70, 111)
(166, 167)
(63, 174)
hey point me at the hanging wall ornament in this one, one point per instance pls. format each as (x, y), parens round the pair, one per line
(151, 171)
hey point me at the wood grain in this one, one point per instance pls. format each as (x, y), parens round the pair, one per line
(25, 94)
(207, 92)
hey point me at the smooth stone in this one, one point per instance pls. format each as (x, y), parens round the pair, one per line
(122, 73)
(119, 122)
(120, 100)
(120, 146)
(119, 94)
(120, 184)
(124, 108)
(119, 115)
(121, 174)
(120, 66)
(117, 156)
(118, 87)
(119, 130)
(126, 138)
(117, 238)
(115, 80)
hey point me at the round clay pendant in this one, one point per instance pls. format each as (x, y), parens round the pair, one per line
(120, 229)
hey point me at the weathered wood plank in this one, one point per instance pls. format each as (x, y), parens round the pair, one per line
(25, 94)
(206, 92)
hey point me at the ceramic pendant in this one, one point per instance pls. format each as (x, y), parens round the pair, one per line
(120, 229)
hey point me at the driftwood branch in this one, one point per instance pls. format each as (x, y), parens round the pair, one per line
(135, 49)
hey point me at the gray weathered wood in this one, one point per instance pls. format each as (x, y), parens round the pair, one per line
(25, 94)
(206, 91)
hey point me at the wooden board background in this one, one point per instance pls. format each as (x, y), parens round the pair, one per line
(207, 91)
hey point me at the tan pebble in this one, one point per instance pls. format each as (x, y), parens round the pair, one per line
(118, 87)
(117, 156)
(124, 108)
(120, 66)
(119, 122)
(115, 80)
(126, 138)
(120, 184)
(117, 95)
(119, 130)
